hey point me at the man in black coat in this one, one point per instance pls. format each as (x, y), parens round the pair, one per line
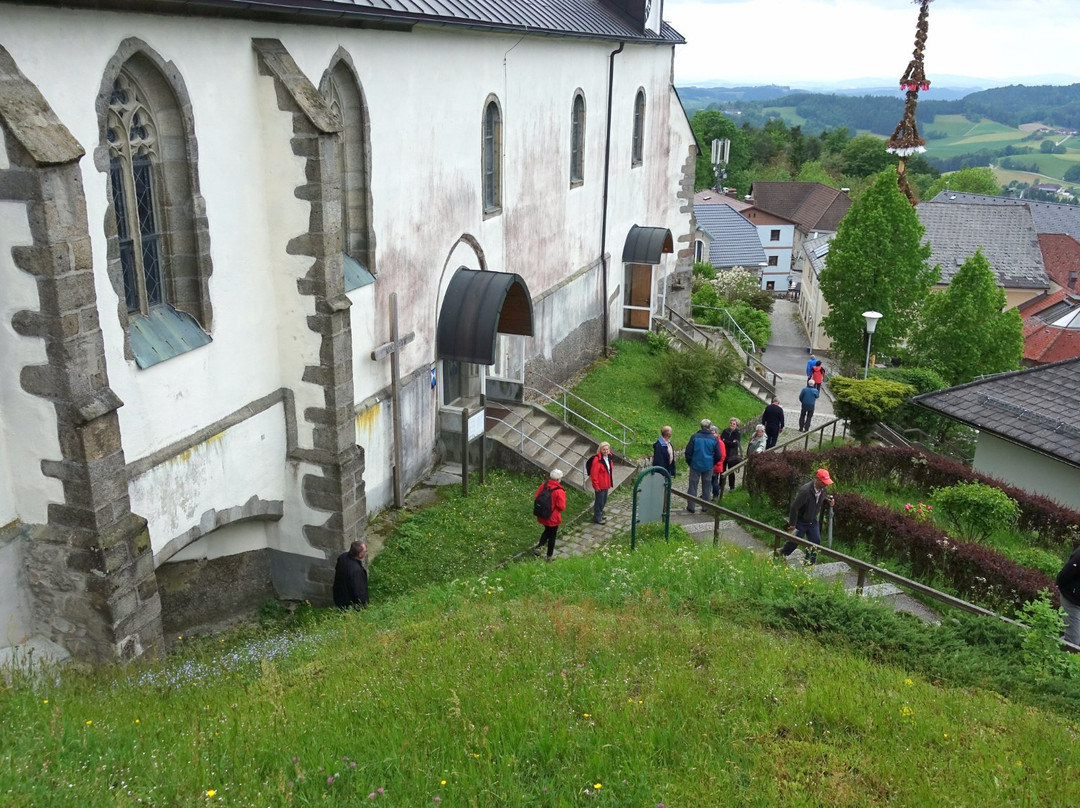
(773, 419)
(1068, 583)
(350, 578)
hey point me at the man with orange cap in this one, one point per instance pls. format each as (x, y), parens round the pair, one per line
(804, 516)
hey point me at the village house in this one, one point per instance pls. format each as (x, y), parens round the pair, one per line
(258, 258)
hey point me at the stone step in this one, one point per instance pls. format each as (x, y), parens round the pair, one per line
(885, 590)
(833, 569)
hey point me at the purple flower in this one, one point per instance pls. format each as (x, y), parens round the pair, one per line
(380, 790)
(436, 798)
(330, 780)
(371, 796)
(352, 764)
(295, 759)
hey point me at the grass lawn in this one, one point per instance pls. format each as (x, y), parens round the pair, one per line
(620, 387)
(675, 675)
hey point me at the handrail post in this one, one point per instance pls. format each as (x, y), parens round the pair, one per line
(861, 582)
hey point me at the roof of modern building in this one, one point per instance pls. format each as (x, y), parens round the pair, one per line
(817, 250)
(1005, 234)
(591, 19)
(811, 205)
(734, 241)
(1034, 408)
(1061, 257)
(1049, 217)
(1051, 327)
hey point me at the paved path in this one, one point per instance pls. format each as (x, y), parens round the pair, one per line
(786, 355)
(580, 536)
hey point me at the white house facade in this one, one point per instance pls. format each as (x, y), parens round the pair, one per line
(252, 260)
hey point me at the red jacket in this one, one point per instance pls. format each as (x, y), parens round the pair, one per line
(558, 503)
(599, 475)
(818, 375)
(719, 467)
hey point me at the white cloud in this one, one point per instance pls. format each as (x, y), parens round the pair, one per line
(808, 41)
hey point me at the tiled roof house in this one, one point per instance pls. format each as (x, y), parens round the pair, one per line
(1005, 234)
(725, 239)
(1029, 426)
(1051, 328)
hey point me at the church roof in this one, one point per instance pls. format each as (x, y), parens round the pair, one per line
(590, 19)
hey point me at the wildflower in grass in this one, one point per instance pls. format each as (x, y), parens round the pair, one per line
(380, 791)
(137, 721)
(436, 798)
(44, 701)
(906, 712)
(586, 715)
(371, 796)
(331, 778)
(442, 782)
(210, 792)
(908, 682)
(352, 764)
(598, 786)
(89, 722)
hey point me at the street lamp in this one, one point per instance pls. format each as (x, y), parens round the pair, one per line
(871, 324)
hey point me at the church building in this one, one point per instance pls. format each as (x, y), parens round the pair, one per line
(256, 258)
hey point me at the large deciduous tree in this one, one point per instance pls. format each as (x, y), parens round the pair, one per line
(974, 180)
(963, 332)
(877, 261)
(709, 125)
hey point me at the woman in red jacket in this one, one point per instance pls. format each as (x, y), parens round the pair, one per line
(551, 523)
(600, 476)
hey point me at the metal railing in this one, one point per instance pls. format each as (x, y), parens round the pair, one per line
(803, 438)
(863, 569)
(524, 439)
(686, 326)
(628, 435)
(753, 346)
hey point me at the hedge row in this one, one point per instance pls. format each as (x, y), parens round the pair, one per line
(1054, 526)
(977, 572)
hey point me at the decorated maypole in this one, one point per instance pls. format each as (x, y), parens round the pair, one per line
(905, 140)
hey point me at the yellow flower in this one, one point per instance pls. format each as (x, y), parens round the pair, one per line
(476, 754)
(137, 721)
(44, 701)
(597, 786)
(908, 682)
(211, 792)
(442, 782)
(88, 723)
(586, 715)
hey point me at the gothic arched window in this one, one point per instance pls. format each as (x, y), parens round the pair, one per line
(637, 153)
(491, 156)
(577, 139)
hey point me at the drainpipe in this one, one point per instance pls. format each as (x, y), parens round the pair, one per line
(607, 175)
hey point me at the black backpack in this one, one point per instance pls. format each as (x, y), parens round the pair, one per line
(542, 506)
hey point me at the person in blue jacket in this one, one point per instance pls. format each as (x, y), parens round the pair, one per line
(702, 453)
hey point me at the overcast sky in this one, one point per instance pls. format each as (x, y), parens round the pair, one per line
(800, 42)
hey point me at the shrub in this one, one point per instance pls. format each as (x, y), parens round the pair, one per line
(753, 321)
(687, 377)
(866, 403)
(975, 510)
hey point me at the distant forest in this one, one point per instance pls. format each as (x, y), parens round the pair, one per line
(1052, 105)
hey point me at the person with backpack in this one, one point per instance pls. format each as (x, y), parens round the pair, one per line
(599, 468)
(817, 375)
(548, 505)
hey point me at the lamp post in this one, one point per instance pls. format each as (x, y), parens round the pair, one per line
(871, 324)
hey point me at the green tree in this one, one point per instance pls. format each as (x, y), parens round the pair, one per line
(813, 171)
(864, 403)
(975, 180)
(973, 511)
(963, 331)
(708, 125)
(865, 155)
(877, 261)
(1072, 173)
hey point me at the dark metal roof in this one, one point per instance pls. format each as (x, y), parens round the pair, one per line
(645, 245)
(592, 19)
(1049, 217)
(1035, 408)
(478, 305)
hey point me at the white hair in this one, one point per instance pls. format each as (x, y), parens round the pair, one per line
(556, 474)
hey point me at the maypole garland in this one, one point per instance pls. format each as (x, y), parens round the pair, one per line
(905, 140)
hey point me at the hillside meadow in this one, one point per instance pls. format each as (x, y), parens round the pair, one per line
(662, 677)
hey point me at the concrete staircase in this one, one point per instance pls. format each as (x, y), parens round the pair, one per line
(545, 442)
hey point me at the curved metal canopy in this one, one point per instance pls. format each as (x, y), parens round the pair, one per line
(645, 245)
(478, 305)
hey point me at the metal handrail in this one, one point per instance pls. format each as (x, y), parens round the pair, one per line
(753, 346)
(751, 361)
(862, 568)
(523, 438)
(686, 324)
(626, 430)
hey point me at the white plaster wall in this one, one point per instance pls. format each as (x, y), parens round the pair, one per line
(1028, 470)
(27, 423)
(222, 472)
(426, 186)
(240, 537)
